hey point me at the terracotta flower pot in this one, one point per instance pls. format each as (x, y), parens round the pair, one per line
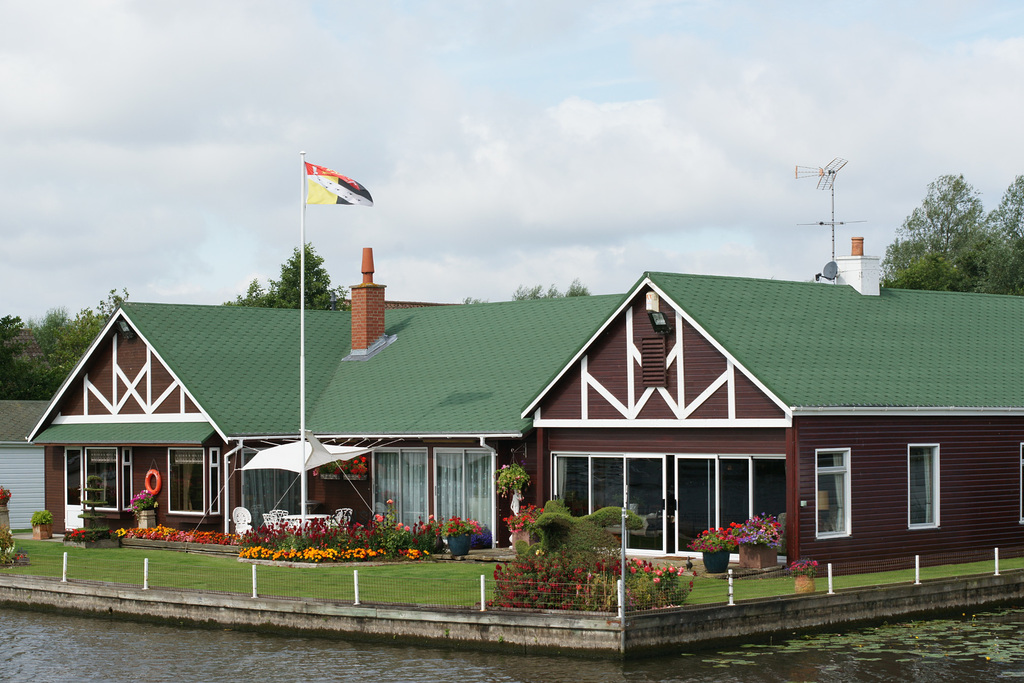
(41, 532)
(758, 556)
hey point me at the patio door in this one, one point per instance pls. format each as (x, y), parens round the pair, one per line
(714, 491)
(645, 495)
(589, 482)
(73, 488)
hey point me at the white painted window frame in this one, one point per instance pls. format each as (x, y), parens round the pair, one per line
(215, 480)
(936, 492)
(117, 475)
(170, 482)
(127, 467)
(846, 469)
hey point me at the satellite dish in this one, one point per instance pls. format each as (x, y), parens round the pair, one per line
(830, 270)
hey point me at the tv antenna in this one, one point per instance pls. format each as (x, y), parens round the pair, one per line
(826, 181)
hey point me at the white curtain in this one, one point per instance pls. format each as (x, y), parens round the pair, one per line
(412, 502)
(387, 481)
(465, 485)
(401, 477)
(449, 483)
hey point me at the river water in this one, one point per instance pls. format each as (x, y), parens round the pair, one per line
(42, 647)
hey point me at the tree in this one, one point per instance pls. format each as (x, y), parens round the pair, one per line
(74, 336)
(21, 378)
(950, 223)
(524, 293)
(284, 293)
(1006, 271)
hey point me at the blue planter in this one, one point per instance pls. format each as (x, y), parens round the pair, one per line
(458, 545)
(716, 562)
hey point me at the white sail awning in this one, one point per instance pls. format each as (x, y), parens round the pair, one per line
(287, 456)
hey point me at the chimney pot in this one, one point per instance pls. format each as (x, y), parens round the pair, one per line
(858, 246)
(367, 265)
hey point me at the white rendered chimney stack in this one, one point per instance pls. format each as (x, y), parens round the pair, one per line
(859, 271)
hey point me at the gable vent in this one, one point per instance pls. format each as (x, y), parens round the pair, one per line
(652, 356)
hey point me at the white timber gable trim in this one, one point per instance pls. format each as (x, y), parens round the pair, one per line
(145, 399)
(682, 411)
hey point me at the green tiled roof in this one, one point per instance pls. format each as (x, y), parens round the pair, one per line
(453, 369)
(129, 433)
(827, 345)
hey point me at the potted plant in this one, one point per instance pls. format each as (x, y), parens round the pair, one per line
(512, 479)
(520, 525)
(715, 544)
(144, 505)
(457, 531)
(356, 468)
(803, 572)
(42, 525)
(759, 539)
(5, 517)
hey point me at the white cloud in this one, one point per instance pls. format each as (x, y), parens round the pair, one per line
(155, 147)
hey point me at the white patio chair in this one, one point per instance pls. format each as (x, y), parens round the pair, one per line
(274, 518)
(343, 516)
(242, 519)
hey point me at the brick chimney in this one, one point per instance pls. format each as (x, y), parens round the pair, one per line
(367, 310)
(859, 271)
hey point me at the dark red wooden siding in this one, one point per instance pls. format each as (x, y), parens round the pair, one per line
(979, 489)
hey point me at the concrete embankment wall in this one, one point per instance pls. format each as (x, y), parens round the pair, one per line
(647, 633)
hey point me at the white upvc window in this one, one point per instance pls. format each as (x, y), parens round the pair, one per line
(922, 486)
(186, 485)
(215, 483)
(102, 463)
(832, 492)
(1021, 482)
(126, 478)
(400, 476)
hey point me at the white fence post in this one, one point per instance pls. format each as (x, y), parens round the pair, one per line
(355, 579)
(917, 570)
(997, 561)
(618, 599)
(145, 574)
(830, 590)
(254, 581)
(64, 572)
(483, 595)
(731, 603)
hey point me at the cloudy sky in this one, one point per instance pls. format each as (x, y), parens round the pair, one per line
(155, 146)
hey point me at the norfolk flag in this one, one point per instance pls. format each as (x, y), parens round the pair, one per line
(330, 187)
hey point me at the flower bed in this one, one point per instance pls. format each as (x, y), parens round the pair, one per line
(319, 541)
(559, 582)
(163, 533)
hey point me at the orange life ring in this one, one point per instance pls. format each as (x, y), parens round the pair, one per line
(154, 487)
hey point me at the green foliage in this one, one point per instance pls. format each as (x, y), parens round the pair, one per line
(41, 517)
(284, 293)
(21, 378)
(524, 293)
(611, 516)
(579, 537)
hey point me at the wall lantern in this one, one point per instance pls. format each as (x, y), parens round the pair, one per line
(659, 321)
(126, 330)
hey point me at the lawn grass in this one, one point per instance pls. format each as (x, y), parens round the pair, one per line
(426, 582)
(429, 583)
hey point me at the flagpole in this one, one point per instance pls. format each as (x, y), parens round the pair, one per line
(302, 345)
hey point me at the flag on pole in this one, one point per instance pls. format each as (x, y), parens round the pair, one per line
(330, 187)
